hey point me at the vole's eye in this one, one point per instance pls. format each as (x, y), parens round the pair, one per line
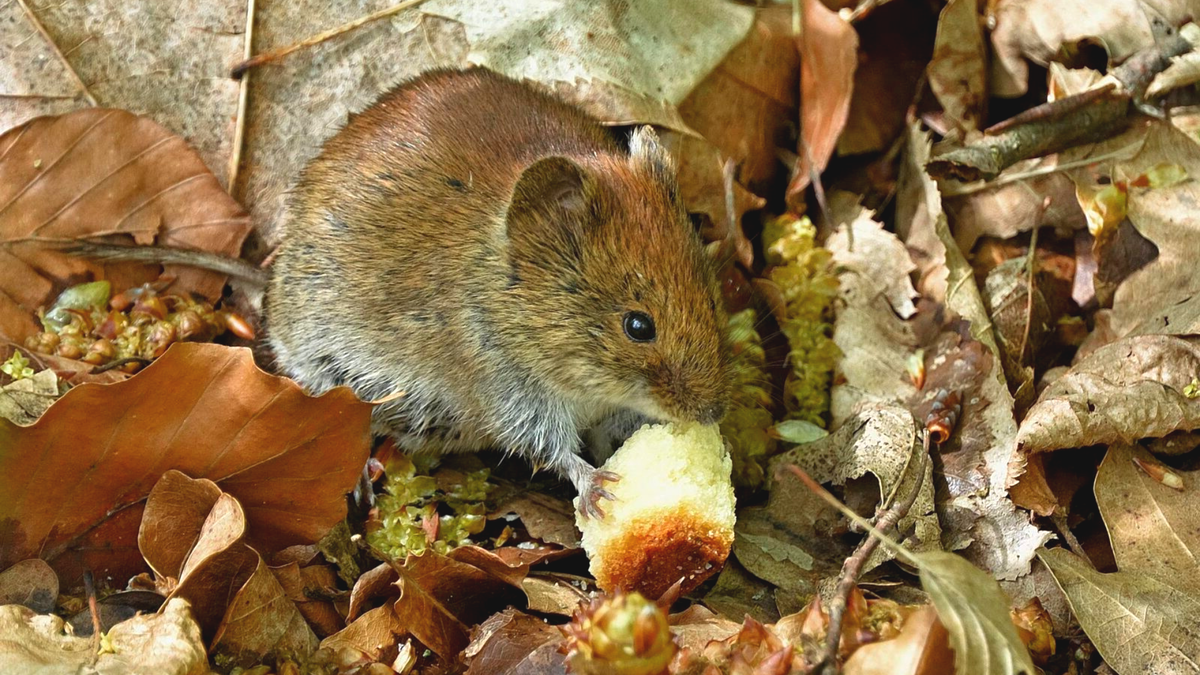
(639, 327)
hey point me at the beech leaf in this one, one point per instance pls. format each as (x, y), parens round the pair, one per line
(99, 173)
(203, 409)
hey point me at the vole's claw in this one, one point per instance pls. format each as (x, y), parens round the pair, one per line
(589, 506)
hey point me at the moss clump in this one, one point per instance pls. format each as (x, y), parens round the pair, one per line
(803, 272)
(418, 512)
(745, 427)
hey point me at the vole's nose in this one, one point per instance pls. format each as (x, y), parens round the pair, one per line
(711, 414)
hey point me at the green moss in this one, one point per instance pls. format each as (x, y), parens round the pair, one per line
(418, 512)
(803, 272)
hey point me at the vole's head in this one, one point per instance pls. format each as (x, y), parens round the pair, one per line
(611, 287)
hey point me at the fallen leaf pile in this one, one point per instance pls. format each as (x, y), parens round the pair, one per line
(957, 245)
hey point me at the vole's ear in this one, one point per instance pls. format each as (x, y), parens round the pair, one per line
(552, 189)
(648, 153)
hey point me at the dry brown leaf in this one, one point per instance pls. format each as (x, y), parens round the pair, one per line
(1139, 624)
(514, 643)
(1153, 528)
(203, 409)
(150, 644)
(238, 603)
(1122, 392)
(1011, 206)
(745, 106)
(1037, 29)
(922, 648)
(1142, 619)
(31, 583)
(440, 596)
(96, 173)
(261, 621)
(958, 71)
(828, 58)
(1003, 540)
(167, 59)
(895, 43)
(880, 441)
(545, 517)
(372, 634)
(23, 401)
(1161, 215)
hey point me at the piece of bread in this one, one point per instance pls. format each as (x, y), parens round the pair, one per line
(673, 515)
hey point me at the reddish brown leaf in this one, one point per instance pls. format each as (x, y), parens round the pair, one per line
(442, 595)
(261, 620)
(372, 635)
(95, 173)
(203, 409)
(515, 643)
(828, 57)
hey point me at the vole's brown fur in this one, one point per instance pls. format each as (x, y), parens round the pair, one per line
(475, 244)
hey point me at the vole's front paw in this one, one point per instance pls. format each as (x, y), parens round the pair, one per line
(590, 496)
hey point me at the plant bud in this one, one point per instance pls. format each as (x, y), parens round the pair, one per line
(619, 635)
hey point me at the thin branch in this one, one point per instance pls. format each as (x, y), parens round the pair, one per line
(239, 128)
(853, 567)
(278, 54)
(50, 41)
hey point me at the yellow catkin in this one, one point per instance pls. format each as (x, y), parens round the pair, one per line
(745, 426)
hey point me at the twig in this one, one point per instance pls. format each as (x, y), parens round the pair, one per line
(852, 567)
(1090, 116)
(972, 188)
(239, 128)
(113, 365)
(268, 57)
(50, 41)
(1030, 265)
(89, 585)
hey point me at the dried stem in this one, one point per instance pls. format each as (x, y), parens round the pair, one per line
(278, 54)
(853, 566)
(1086, 117)
(57, 52)
(239, 128)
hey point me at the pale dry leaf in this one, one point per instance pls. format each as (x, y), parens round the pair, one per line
(149, 644)
(31, 583)
(24, 400)
(1037, 29)
(1184, 71)
(1139, 624)
(1153, 528)
(877, 259)
(1004, 539)
(958, 70)
(975, 613)
(876, 296)
(617, 59)
(879, 440)
(1162, 215)
(1122, 392)
(166, 59)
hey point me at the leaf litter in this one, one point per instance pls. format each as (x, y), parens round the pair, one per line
(218, 490)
